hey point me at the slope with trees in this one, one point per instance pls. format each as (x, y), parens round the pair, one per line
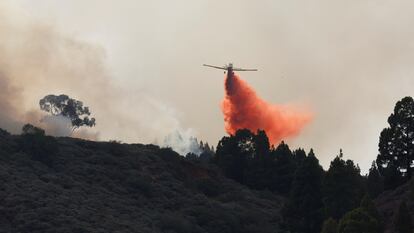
(247, 185)
(71, 185)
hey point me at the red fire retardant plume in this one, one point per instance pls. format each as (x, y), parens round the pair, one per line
(243, 109)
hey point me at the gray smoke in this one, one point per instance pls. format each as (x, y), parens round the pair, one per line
(349, 60)
(37, 59)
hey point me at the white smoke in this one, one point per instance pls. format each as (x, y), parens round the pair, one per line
(166, 123)
(59, 126)
(183, 142)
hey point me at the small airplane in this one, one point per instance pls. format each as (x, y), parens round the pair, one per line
(229, 68)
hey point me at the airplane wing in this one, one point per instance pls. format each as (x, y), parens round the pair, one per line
(217, 67)
(240, 69)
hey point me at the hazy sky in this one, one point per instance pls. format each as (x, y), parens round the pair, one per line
(349, 61)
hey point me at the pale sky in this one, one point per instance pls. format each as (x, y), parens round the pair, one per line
(349, 61)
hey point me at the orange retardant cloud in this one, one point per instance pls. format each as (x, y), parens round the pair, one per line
(243, 109)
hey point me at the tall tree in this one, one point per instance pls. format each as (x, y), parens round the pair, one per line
(262, 144)
(304, 211)
(283, 170)
(396, 145)
(63, 105)
(298, 156)
(258, 175)
(238, 154)
(343, 187)
(375, 182)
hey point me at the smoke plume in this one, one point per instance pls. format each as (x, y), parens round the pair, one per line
(38, 59)
(183, 142)
(242, 108)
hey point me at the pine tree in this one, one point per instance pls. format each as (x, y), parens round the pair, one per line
(238, 156)
(343, 187)
(298, 156)
(304, 211)
(375, 183)
(396, 145)
(283, 169)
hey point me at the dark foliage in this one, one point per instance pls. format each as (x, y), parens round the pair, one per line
(35, 143)
(63, 105)
(209, 187)
(364, 219)
(283, 169)
(4, 133)
(304, 210)
(236, 154)
(113, 187)
(396, 147)
(29, 129)
(343, 187)
(248, 159)
(368, 205)
(358, 221)
(205, 156)
(298, 156)
(330, 225)
(171, 222)
(375, 182)
(402, 219)
(206, 151)
(138, 183)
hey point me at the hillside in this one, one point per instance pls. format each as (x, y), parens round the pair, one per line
(71, 185)
(389, 201)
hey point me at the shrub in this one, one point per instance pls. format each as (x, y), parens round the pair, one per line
(116, 148)
(209, 187)
(402, 219)
(359, 220)
(29, 129)
(140, 183)
(4, 133)
(169, 155)
(172, 222)
(37, 145)
(330, 226)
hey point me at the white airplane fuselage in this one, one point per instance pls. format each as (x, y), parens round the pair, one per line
(229, 69)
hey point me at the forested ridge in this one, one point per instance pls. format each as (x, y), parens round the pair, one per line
(53, 184)
(69, 185)
(339, 199)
